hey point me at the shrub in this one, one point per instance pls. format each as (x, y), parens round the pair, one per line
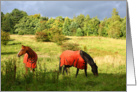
(5, 37)
(42, 36)
(53, 35)
(70, 46)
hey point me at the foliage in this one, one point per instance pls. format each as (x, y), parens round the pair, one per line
(56, 35)
(5, 37)
(53, 35)
(114, 30)
(9, 20)
(79, 32)
(28, 24)
(123, 27)
(19, 22)
(102, 28)
(41, 36)
(66, 25)
(79, 20)
(73, 28)
(6, 24)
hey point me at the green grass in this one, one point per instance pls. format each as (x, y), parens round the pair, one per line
(109, 55)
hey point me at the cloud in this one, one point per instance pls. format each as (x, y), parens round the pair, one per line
(101, 9)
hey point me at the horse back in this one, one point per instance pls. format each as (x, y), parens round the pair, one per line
(72, 58)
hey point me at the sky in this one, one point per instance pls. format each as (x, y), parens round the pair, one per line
(101, 9)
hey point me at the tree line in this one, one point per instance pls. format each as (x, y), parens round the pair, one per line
(19, 22)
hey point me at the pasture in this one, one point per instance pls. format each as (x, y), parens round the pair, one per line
(109, 54)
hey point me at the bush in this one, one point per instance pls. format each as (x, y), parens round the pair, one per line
(56, 35)
(70, 46)
(5, 37)
(53, 35)
(42, 36)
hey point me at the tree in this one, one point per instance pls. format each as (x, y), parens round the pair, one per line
(102, 30)
(87, 26)
(94, 25)
(7, 23)
(66, 25)
(73, 27)
(79, 32)
(80, 20)
(28, 24)
(16, 15)
(114, 30)
(123, 27)
(2, 17)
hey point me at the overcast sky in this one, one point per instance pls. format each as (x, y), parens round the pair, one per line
(101, 9)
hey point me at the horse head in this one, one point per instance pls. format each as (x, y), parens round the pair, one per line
(95, 69)
(22, 51)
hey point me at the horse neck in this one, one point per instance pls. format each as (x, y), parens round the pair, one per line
(90, 62)
(30, 53)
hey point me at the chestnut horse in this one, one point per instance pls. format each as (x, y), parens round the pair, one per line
(78, 59)
(30, 58)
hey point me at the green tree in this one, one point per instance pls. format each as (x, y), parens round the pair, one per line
(123, 27)
(79, 32)
(7, 23)
(66, 25)
(16, 15)
(73, 27)
(80, 20)
(28, 24)
(102, 30)
(2, 17)
(94, 25)
(114, 28)
(87, 26)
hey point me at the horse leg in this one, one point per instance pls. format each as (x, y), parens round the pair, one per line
(67, 70)
(85, 71)
(33, 70)
(77, 72)
(60, 68)
(64, 68)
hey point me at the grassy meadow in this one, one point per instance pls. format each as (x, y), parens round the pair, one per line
(108, 53)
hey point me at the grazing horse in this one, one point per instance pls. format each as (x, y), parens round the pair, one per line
(30, 58)
(78, 59)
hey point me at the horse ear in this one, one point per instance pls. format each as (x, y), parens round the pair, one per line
(23, 46)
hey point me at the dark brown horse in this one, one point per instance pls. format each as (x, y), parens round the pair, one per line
(30, 58)
(78, 59)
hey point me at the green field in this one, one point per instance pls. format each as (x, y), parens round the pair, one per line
(108, 53)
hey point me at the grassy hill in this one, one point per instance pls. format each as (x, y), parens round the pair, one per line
(109, 55)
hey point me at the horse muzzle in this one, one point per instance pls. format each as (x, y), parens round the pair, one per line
(18, 55)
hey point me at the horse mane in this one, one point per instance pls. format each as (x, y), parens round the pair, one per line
(30, 52)
(87, 58)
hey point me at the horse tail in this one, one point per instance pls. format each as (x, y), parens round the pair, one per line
(60, 68)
